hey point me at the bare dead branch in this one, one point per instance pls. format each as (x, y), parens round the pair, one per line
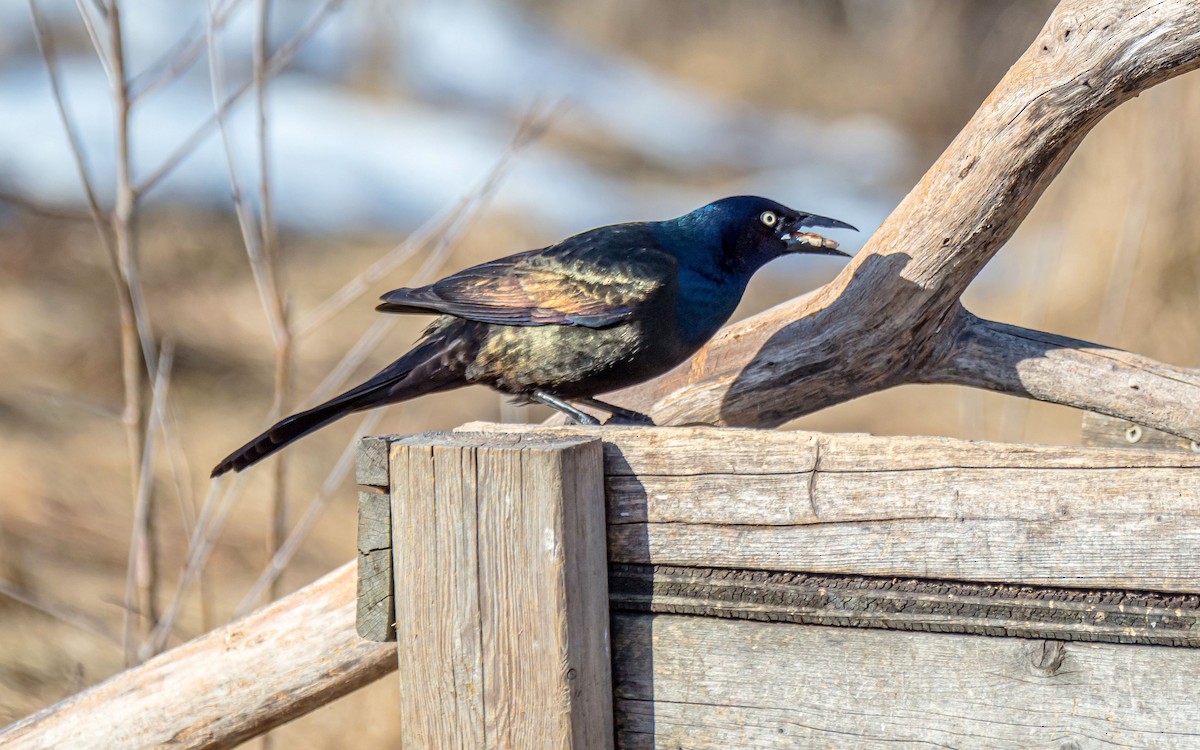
(1066, 371)
(68, 399)
(373, 337)
(237, 682)
(891, 314)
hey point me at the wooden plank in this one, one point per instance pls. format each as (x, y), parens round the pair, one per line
(1103, 430)
(226, 686)
(908, 507)
(376, 615)
(704, 683)
(682, 451)
(501, 592)
(909, 604)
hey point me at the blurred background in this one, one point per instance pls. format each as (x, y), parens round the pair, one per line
(404, 140)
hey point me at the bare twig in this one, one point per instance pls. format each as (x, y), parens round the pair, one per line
(260, 243)
(213, 513)
(278, 62)
(38, 209)
(65, 398)
(102, 53)
(140, 589)
(459, 220)
(280, 324)
(531, 128)
(179, 58)
(359, 285)
(60, 612)
(283, 556)
(374, 335)
(46, 47)
(136, 341)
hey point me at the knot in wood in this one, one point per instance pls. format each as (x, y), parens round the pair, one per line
(1047, 657)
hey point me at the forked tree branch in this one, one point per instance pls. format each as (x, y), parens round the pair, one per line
(893, 315)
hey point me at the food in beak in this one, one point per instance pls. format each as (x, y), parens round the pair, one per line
(810, 238)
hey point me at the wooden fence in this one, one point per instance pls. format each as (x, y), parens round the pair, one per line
(715, 588)
(730, 554)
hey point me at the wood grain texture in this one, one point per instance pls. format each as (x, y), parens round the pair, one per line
(371, 462)
(702, 683)
(900, 506)
(224, 687)
(1102, 430)
(893, 315)
(501, 592)
(909, 604)
(375, 618)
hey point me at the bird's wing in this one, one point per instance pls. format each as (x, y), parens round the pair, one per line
(596, 279)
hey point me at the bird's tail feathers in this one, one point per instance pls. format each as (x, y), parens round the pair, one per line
(397, 382)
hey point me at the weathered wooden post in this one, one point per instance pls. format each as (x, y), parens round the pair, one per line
(501, 592)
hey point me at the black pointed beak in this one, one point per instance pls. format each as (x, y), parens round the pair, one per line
(800, 241)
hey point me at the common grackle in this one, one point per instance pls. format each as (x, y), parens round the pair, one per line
(602, 310)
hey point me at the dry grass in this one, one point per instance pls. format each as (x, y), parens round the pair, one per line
(1111, 254)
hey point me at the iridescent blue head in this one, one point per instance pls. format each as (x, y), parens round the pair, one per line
(745, 232)
(721, 245)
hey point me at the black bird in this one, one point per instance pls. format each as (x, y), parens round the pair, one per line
(602, 310)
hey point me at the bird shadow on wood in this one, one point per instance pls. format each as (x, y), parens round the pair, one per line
(631, 632)
(854, 345)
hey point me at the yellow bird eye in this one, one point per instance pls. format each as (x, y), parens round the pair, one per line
(769, 218)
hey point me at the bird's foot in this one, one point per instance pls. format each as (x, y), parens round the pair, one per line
(554, 402)
(620, 415)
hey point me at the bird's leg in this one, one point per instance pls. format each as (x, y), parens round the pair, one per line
(620, 413)
(554, 402)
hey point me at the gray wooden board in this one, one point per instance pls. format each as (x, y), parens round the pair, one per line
(949, 516)
(697, 683)
(900, 506)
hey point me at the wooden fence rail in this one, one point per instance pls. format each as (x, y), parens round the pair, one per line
(226, 686)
